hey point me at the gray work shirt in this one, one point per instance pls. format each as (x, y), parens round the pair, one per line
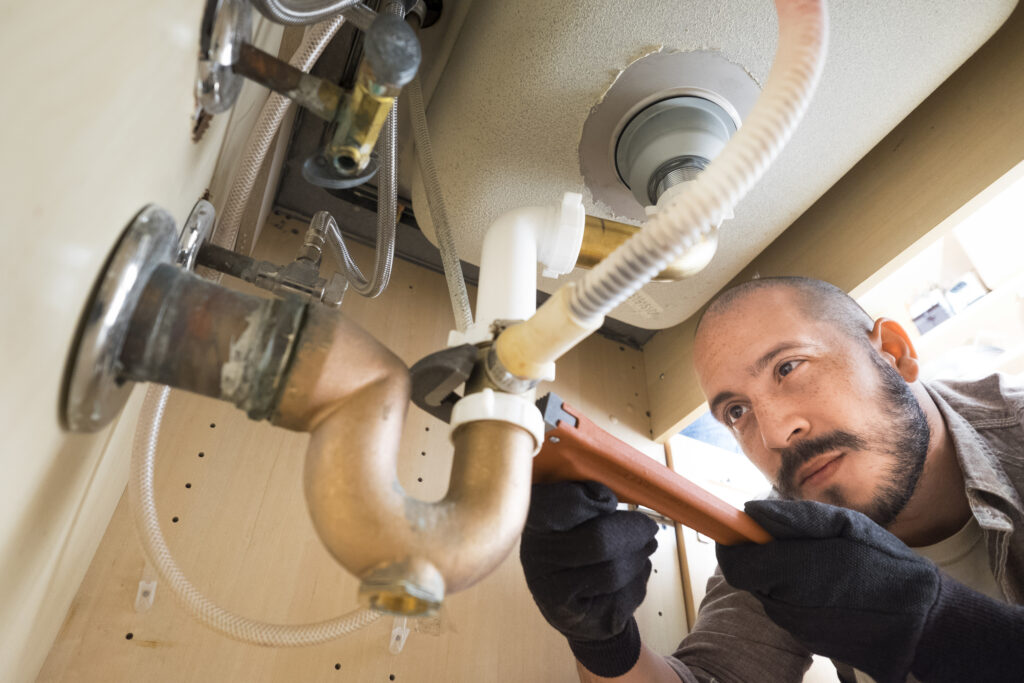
(734, 640)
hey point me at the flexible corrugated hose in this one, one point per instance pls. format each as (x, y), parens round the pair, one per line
(695, 213)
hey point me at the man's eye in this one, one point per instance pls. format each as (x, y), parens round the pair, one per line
(788, 367)
(734, 413)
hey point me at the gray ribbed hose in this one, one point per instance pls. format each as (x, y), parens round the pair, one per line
(262, 135)
(438, 210)
(142, 495)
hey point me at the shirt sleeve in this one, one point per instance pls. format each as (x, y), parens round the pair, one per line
(734, 641)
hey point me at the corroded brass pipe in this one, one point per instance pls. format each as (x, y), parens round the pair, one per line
(311, 369)
(196, 335)
(601, 237)
(351, 394)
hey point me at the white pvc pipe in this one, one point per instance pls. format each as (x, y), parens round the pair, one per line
(513, 245)
(508, 266)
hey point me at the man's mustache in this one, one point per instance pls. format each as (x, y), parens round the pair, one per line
(794, 457)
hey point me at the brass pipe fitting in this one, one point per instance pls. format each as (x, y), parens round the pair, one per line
(392, 57)
(360, 123)
(351, 394)
(391, 61)
(601, 237)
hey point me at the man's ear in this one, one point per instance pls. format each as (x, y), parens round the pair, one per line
(894, 344)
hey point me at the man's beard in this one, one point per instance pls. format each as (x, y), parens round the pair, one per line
(905, 438)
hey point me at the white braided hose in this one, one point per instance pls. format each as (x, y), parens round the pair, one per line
(437, 208)
(262, 135)
(143, 502)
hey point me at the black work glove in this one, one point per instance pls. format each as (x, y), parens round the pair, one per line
(847, 589)
(586, 565)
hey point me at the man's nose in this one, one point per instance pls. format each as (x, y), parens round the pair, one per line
(782, 424)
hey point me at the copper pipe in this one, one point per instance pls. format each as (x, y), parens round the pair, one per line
(351, 394)
(601, 237)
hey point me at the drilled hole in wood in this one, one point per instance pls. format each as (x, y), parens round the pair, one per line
(337, 667)
(426, 429)
(419, 479)
(391, 677)
(213, 425)
(188, 485)
(201, 454)
(659, 614)
(174, 519)
(655, 571)
(129, 636)
(423, 452)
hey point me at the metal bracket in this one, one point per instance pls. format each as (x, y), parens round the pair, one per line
(436, 377)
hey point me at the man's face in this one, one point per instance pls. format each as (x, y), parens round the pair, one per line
(822, 415)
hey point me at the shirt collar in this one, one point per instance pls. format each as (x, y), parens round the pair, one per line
(981, 468)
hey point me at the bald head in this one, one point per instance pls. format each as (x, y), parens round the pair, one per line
(815, 299)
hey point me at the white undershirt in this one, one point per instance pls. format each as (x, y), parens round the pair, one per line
(964, 557)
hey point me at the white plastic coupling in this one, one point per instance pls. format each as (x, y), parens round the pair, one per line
(558, 253)
(492, 405)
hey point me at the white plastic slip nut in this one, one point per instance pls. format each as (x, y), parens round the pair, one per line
(491, 405)
(568, 238)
